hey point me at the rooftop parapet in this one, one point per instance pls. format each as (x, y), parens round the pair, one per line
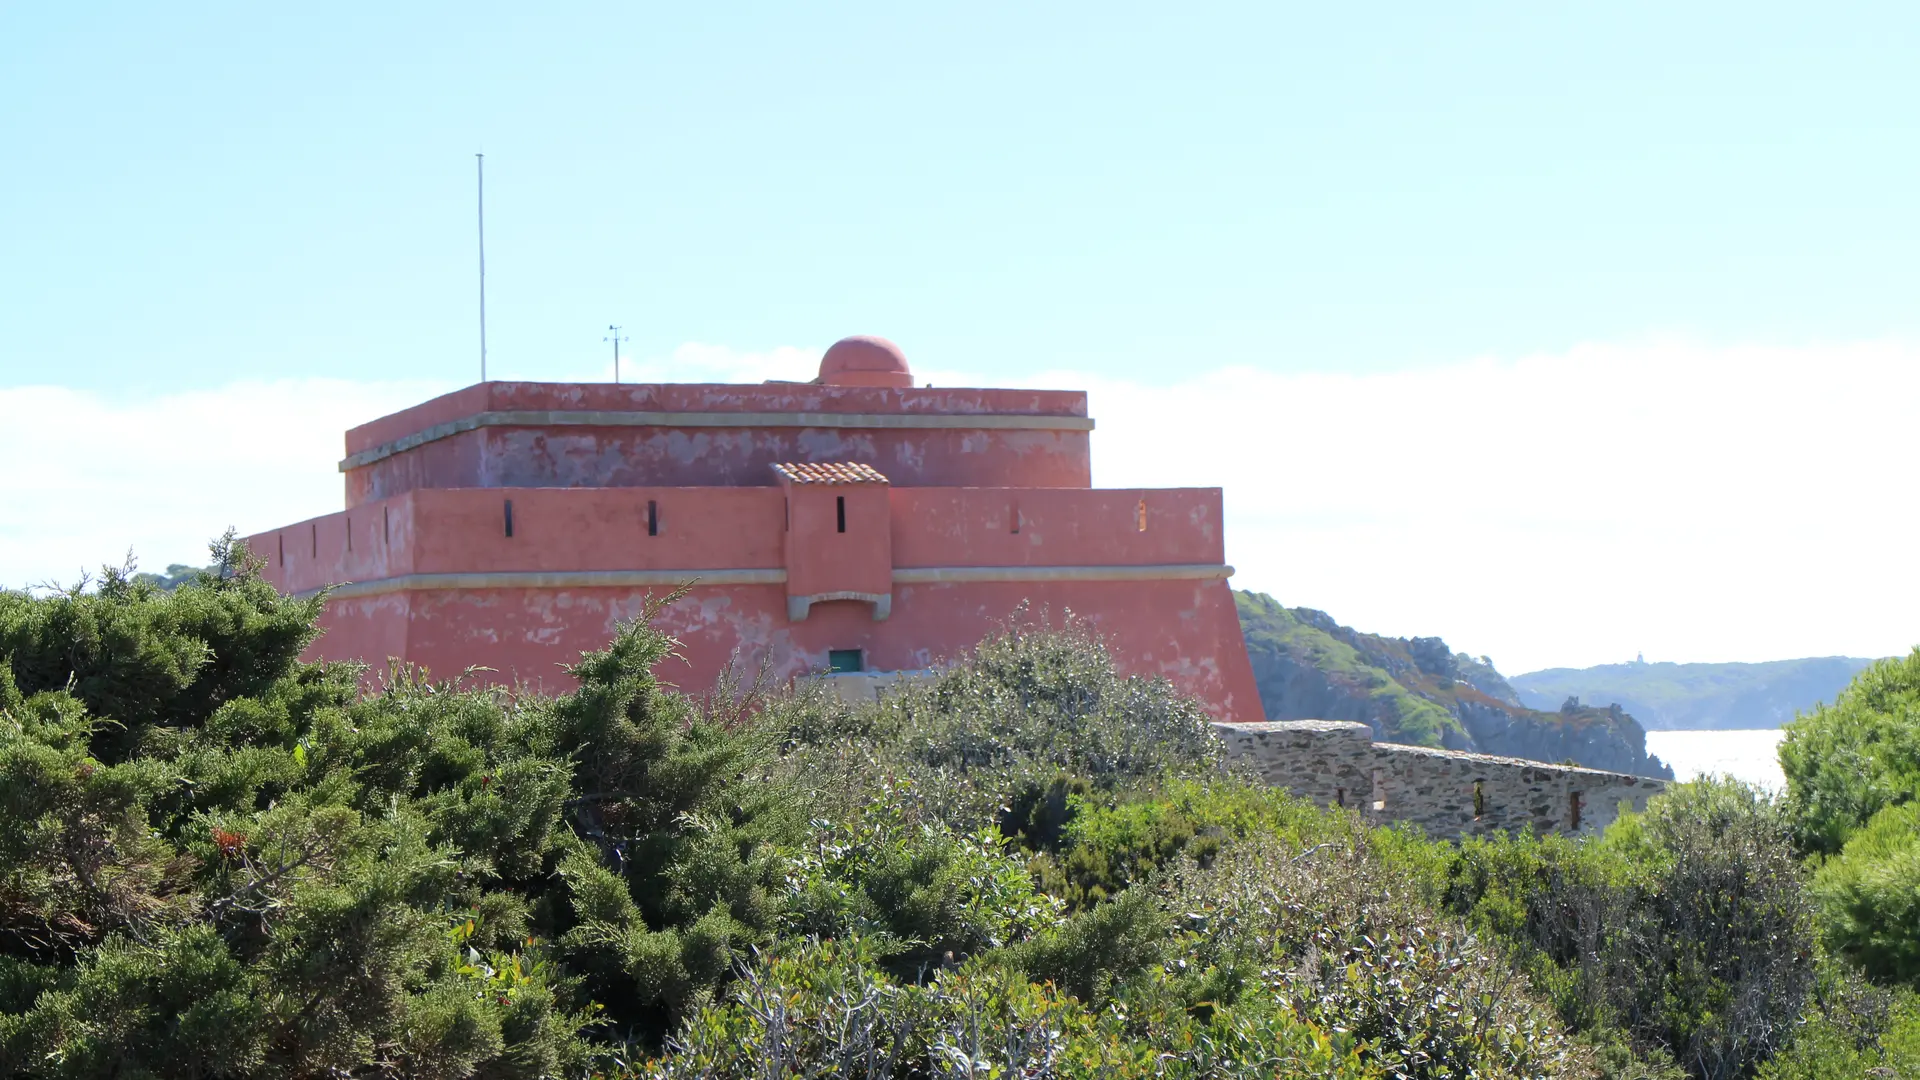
(861, 409)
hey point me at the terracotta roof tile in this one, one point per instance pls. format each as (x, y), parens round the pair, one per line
(830, 472)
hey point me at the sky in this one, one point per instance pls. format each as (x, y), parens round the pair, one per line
(1566, 333)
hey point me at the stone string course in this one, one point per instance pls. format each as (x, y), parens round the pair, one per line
(1450, 793)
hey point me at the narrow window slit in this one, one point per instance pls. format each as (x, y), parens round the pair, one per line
(314, 531)
(1479, 799)
(1140, 516)
(1014, 513)
(1379, 791)
(509, 518)
(349, 534)
(653, 518)
(282, 537)
(840, 508)
(386, 524)
(1573, 811)
(1340, 797)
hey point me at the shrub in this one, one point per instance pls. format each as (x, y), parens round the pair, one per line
(921, 896)
(216, 860)
(1847, 761)
(822, 1010)
(1869, 896)
(1025, 710)
(1333, 936)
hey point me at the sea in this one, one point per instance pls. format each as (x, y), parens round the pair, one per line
(1749, 754)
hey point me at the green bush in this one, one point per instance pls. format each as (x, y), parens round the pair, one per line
(1852, 1031)
(822, 1010)
(1686, 931)
(1847, 761)
(1869, 896)
(216, 861)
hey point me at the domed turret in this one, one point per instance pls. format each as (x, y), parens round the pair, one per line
(865, 361)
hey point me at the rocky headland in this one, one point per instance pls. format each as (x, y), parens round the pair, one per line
(1419, 691)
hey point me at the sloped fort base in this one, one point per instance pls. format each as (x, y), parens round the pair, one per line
(854, 519)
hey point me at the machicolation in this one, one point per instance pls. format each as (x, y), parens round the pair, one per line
(1450, 793)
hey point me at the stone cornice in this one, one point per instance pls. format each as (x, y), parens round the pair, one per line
(629, 579)
(843, 421)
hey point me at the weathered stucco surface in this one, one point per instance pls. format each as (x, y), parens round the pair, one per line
(510, 527)
(1450, 793)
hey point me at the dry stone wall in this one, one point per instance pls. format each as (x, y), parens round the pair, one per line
(1450, 793)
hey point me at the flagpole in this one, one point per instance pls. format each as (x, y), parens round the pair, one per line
(480, 185)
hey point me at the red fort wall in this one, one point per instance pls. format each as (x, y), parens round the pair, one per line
(514, 525)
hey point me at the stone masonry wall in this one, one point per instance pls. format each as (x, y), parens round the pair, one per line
(1450, 793)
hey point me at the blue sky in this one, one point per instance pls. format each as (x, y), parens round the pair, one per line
(1128, 189)
(1591, 226)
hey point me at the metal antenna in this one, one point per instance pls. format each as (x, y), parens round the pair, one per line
(616, 339)
(480, 182)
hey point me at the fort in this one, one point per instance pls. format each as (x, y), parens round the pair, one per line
(856, 528)
(857, 523)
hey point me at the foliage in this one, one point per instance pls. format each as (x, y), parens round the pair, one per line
(1847, 761)
(1853, 1032)
(1869, 896)
(1278, 636)
(823, 1010)
(1687, 928)
(1025, 711)
(217, 861)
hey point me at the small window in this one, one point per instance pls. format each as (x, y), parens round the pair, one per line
(509, 517)
(653, 518)
(282, 537)
(1140, 516)
(1340, 797)
(840, 508)
(386, 524)
(1479, 799)
(1379, 791)
(349, 534)
(1013, 512)
(314, 530)
(845, 661)
(1573, 811)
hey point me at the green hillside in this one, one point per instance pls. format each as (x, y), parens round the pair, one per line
(1679, 696)
(1418, 690)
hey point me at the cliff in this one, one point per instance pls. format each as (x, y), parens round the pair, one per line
(1419, 691)
(1681, 696)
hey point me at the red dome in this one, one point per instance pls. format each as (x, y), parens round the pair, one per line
(865, 361)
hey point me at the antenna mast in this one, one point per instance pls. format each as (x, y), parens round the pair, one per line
(480, 185)
(616, 339)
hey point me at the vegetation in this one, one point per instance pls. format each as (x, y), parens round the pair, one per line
(216, 861)
(1853, 771)
(1667, 696)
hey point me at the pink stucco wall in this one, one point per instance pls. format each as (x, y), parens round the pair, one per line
(1185, 631)
(986, 514)
(692, 454)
